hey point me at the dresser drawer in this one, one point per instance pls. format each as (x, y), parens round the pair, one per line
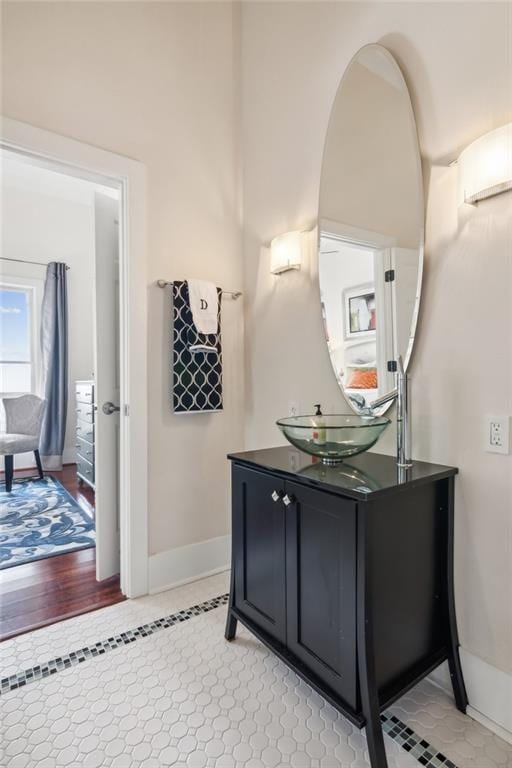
(85, 393)
(84, 430)
(85, 412)
(85, 449)
(85, 469)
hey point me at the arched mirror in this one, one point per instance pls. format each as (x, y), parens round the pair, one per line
(371, 227)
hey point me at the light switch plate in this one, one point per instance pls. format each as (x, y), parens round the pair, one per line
(497, 434)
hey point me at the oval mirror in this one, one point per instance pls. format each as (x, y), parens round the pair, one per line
(371, 228)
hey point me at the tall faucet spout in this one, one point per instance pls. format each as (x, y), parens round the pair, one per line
(403, 420)
(387, 397)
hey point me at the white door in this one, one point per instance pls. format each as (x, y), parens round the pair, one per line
(106, 366)
(384, 307)
(405, 262)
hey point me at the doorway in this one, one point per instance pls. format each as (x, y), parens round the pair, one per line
(59, 229)
(105, 419)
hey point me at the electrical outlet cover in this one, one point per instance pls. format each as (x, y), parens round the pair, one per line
(497, 434)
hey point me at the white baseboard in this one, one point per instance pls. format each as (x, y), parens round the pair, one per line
(69, 455)
(27, 461)
(489, 692)
(184, 564)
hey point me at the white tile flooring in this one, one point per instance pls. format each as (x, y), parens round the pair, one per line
(431, 714)
(185, 697)
(49, 642)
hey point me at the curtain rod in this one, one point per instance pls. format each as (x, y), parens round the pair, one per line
(234, 294)
(26, 261)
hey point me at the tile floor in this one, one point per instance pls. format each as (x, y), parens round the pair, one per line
(183, 696)
(57, 639)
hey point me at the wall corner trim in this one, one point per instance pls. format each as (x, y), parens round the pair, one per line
(181, 565)
(489, 692)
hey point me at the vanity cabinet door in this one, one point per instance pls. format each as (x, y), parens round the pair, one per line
(259, 549)
(321, 586)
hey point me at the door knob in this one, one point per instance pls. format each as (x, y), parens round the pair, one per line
(109, 408)
(275, 495)
(287, 500)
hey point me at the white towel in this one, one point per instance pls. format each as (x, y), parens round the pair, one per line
(203, 305)
(208, 349)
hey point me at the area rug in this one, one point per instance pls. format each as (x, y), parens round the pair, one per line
(40, 519)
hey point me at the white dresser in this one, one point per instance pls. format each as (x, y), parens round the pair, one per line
(85, 418)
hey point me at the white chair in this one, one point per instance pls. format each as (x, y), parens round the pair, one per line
(23, 416)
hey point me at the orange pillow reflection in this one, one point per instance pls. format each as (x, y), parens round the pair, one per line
(363, 379)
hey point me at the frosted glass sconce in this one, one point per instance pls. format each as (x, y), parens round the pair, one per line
(485, 167)
(286, 252)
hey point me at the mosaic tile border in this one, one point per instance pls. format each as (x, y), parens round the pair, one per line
(40, 671)
(404, 736)
(420, 749)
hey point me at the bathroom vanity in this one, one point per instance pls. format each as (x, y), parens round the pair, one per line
(346, 574)
(346, 570)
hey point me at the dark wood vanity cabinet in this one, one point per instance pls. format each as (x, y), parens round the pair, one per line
(321, 580)
(295, 571)
(259, 538)
(346, 573)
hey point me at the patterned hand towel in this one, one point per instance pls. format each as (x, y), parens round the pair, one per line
(197, 358)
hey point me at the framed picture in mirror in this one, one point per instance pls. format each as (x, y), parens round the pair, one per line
(359, 316)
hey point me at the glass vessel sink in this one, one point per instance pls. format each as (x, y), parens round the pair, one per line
(333, 437)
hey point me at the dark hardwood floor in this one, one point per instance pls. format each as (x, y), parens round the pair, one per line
(46, 591)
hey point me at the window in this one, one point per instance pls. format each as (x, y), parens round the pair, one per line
(17, 369)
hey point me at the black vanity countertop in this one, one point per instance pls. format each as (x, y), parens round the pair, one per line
(363, 477)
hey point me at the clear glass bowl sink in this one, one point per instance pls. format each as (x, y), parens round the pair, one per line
(333, 437)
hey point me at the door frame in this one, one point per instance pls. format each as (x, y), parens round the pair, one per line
(100, 166)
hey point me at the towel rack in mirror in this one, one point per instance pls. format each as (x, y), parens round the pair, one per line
(234, 294)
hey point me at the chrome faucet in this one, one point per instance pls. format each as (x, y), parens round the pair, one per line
(360, 403)
(403, 421)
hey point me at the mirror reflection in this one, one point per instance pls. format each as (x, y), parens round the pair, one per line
(371, 228)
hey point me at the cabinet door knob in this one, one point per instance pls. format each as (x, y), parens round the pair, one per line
(275, 496)
(287, 500)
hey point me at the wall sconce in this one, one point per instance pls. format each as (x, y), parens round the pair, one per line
(286, 252)
(485, 167)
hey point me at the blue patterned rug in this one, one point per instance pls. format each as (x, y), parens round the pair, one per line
(40, 519)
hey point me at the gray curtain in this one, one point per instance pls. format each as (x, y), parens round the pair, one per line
(54, 348)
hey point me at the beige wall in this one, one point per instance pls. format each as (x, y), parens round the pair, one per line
(156, 82)
(457, 61)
